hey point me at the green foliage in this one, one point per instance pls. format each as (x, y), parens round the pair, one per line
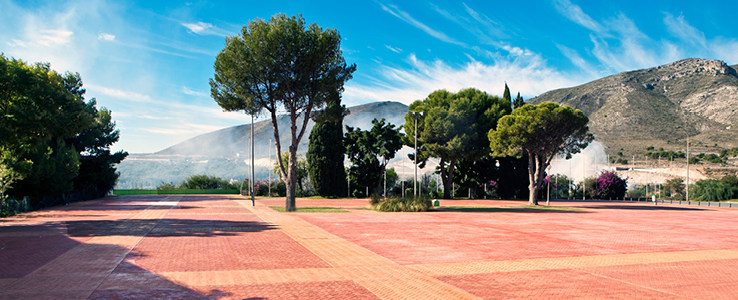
(518, 102)
(207, 182)
(452, 128)
(649, 148)
(506, 95)
(301, 170)
(621, 161)
(665, 154)
(715, 190)
(542, 131)
(369, 151)
(674, 188)
(712, 157)
(560, 185)
(408, 204)
(281, 65)
(166, 186)
(54, 144)
(325, 159)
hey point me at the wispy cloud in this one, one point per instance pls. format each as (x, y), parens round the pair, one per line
(393, 49)
(575, 13)
(531, 77)
(678, 27)
(52, 37)
(119, 94)
(191, 92)
(203, 28)
(402, 15)
(105, 37)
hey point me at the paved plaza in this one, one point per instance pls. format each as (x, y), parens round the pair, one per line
(220, 247)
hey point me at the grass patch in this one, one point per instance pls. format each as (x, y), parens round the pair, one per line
(312, 209)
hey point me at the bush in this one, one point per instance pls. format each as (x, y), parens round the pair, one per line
(414, 204)
(207, 182)
(166, 186)
(609, 186)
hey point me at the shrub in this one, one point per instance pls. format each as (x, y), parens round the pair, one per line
(407, 204)
(206, 182)
(166, 186)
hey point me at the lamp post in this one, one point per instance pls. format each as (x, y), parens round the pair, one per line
(416, 115)
(687, 183)
(252, 159)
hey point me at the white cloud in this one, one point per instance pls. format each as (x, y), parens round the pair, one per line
(191, 92)
(574, 13)
(685, 32)
(393, 49)
(119, 94)
(529, 76)
(52, 37)
(203, 28)
(402, 15)
(16, 43)
(105, 37)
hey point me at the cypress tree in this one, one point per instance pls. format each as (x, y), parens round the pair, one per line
(326, 152)
(518, 101)
(506, 94)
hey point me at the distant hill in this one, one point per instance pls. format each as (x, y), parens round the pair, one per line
(653, 107)
(235, 141)
(225, 152)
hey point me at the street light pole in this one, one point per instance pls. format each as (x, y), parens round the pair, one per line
(252, 160)
(416, 115)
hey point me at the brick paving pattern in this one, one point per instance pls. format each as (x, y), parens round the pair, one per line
(220, 247)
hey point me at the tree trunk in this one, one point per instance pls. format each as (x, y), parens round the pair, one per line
(532, 176)
(291, 181)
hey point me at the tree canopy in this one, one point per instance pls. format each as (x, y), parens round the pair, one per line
(53, 143)
(281, 64)
(369, 152)
(453, 127)
(542, 131)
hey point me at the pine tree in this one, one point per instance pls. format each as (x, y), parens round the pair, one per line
(506, 94)
(518, 101)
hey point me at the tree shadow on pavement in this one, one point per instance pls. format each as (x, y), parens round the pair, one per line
(163, 227)
(645, 207)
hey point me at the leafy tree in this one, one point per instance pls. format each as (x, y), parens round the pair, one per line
(452, 128)
(326, 152)
(369, 152)
(281, 64)
(97, 172)
(518, 102)
(713, 190)
(675, 187)
(542, 131)
(43, 119)
(301, 170)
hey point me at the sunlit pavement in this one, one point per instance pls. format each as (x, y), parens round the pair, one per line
(220, 247)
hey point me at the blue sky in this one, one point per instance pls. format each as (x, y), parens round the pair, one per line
(150, 61)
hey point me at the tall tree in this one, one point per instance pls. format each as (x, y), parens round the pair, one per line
(370, 151)
(326, 152)
(281, 64)
(453, 127)
(50, 134)
(518, 101)
(542, 131)
(506, 95)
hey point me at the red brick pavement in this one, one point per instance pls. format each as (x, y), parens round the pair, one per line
(212, 247)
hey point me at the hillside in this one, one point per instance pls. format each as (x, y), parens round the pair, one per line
(225, 152)
(659, 106)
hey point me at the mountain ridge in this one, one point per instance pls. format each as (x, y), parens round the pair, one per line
(659, 106)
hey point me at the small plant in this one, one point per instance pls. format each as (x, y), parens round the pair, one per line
(408, 204)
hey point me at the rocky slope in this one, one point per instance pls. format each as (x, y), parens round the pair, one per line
(660, 106)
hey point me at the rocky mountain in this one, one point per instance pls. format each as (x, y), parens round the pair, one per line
(660, 106)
